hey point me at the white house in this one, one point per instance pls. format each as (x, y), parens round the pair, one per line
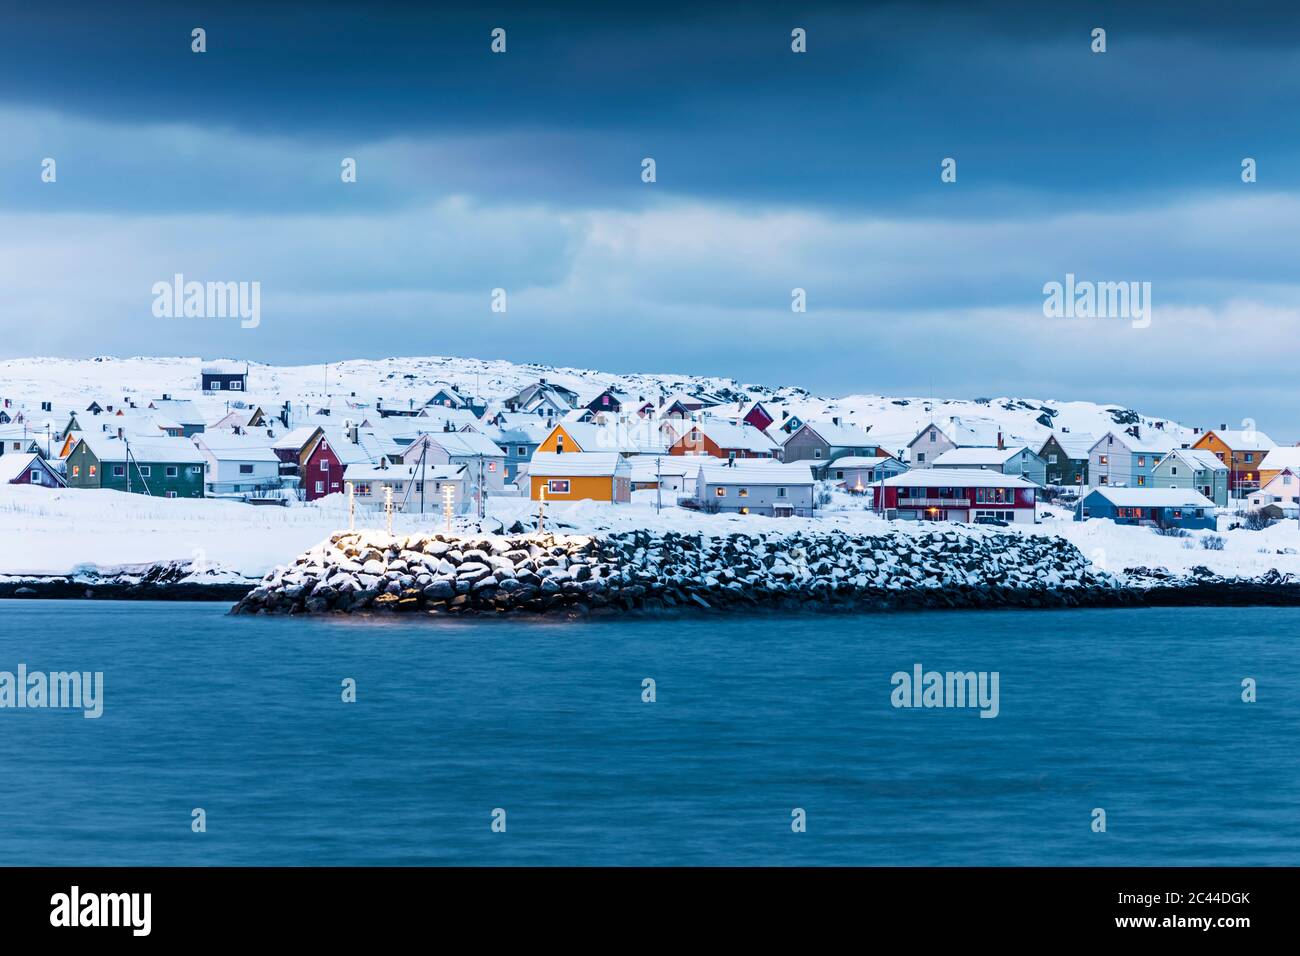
(240, 466)
(757, 486)
(414, 488)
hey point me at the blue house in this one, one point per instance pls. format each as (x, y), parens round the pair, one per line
(1162, 507)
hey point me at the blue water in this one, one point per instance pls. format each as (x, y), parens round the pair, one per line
(1134, 711)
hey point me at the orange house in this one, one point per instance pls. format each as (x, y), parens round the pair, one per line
(579, 476)
(719, 439)
(626, 438)
(1241, 451)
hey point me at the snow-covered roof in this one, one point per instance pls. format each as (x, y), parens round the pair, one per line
(1197, 458)
(965, 433)
(1282, 457)
(549, 464)
(1151, 445)
(752, 471)
(956, 478)
(858, 461)
(1153, 497)
(649, 467)
(348, 451)
(180, 410)
(641, 435)
(977, 456)
(15, 464)
(294, 440)
(726, 435)
(371, 471)
(224, 367)
(173, 450)
(227, 446)
(462, 444)
(1240, 440)
(1075, 444)
(841, 435)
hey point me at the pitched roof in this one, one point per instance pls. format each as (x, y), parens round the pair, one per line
(640, 436)
(726, 435)
(1152, 497)
(549, 464)
(841, 435)
(650, 467)
(15, 464)
(371, 471)
(858, 461)
(752, 471)
(295, 439)
(1076, 445)
(1240, 440)
(956, 478)
(227, 446)
(1158, 446)
(1279, 458)
(977, 455)
(1197, 458)
(147, 450)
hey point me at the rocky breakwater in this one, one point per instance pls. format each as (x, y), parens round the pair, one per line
(369, 572)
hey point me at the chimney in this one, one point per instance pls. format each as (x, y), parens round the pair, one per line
(119, 433)
(835, 420)
(1001, 444)
(1223, 427)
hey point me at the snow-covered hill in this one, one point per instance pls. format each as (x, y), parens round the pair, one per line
(397, 381)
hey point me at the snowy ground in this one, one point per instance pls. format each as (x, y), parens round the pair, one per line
(44, 532)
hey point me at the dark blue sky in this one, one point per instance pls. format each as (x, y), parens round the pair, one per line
(775, 170)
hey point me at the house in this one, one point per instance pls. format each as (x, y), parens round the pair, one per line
(663, 472)
(183, 412)
(758, 416)
(752, 486)
(1242, 451)
(1195, 469)
(1282, 493)
(1124, 459)
(448, 396)
(1066, 457)
(161, 467)
(820, 443)
(790, 423)
(240, 466)
(580, 476)
(682, 405)
(1280, 458)
(855, 473)
(17, 439)
(952, 494)
(484, 459)
(519, 441)
(611, 400)
(543, 399)
(29, 469)
(718, 439)
(1018, 460)
(1164, 507)
(418, 488)
(936, 438)
(223, 377)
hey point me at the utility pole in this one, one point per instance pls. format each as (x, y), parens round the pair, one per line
(659, 484)
(541, 509)
(352, 510)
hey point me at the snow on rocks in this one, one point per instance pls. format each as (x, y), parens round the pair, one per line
(368, 571)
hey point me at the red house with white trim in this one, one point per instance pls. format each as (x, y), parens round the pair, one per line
(954, 494)
(322, 471)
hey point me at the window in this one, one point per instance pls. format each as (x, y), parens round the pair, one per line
(216, 385)
(604, 399)
(1051, 459)
(557, 486)
(1085, 512)
(236, 386)
(172, 471)
(720, 492)
(1250, 456)
(1103, 480)
(76, 471)
(920, 456)
(196, 469)
(146, 471)
(361, 489)
(35, 476)
(492, 466)
(1173, 469)
(933, 433)
(1200, 512)
(1142, 461)
(839, 475)
(521, 452)
(780, 492)
(245, 469)
(93, 469)
(1286, 479)
(325, 465)
(1103, 459)
(320, 487)
(119, 471)
(743, 492)
(744, 511)
(171, 494)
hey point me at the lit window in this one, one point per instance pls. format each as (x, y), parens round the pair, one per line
(76, 471)
(720, 492)
(557, 486)
(743, 492)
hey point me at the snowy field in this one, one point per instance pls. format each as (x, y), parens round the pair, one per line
(44, 532)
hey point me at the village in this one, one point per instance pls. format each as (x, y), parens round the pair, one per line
(453, 452)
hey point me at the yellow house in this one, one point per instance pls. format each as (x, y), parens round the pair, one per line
(1242, 451)
(579, 476)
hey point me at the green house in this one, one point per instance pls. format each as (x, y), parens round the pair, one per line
(161, 467)
(1196, 469)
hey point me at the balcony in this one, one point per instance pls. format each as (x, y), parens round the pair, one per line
(933, 503)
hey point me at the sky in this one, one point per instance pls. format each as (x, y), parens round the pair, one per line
(775, 171)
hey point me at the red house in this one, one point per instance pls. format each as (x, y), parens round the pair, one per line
(29, 469)
(322, 471)
(957, 494)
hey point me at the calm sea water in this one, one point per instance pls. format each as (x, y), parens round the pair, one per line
(1137, 712)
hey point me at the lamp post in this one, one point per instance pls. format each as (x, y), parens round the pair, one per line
(541, 509)
(352, 509)
(388, 507)
(448, 495)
